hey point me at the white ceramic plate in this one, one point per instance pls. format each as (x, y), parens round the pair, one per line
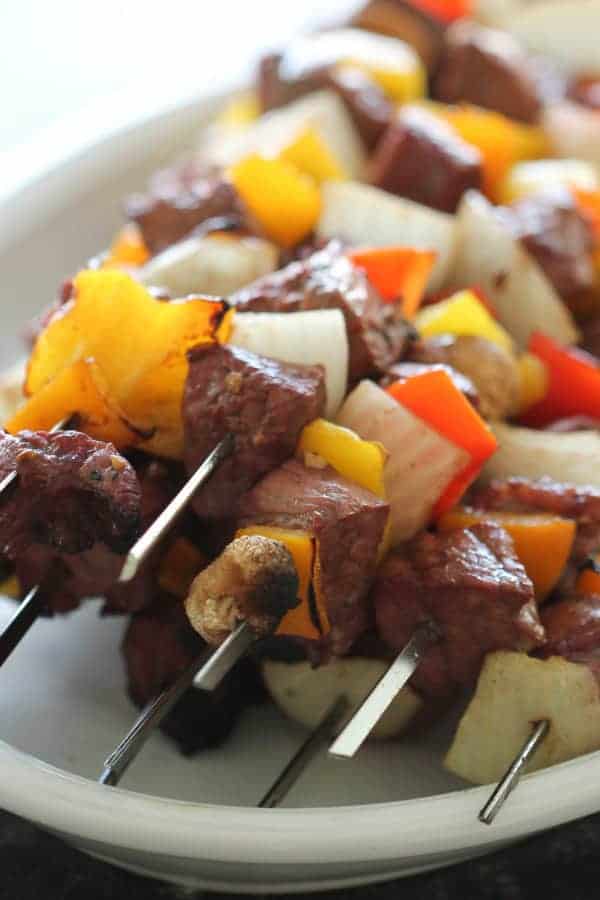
(393, 811)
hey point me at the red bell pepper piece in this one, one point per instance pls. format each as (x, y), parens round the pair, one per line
(397, 273)
(573, 383)
(445, 10)
(433, 397)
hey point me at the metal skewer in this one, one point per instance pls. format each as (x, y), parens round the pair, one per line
(318, 738)
(171, 513)
(357, 730)
(204, 674)
(513, 774)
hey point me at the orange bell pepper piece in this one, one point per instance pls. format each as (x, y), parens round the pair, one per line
(127, 250)
(398, 273)
(138, 343)
(433, 397)
(179, 566)
(543, 542)
(285, 201)
(573, 383)
(79, 390)
(588, 581)
(309, 619)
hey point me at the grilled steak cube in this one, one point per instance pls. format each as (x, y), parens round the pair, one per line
(488, 68)
(559, 238)
(472, 587)
(76, 506)
(421, 158)
(401, 19)
(347, 522)
(573, 631)
(178, 201)
(263, 403)
(158, 646)
(377, 334)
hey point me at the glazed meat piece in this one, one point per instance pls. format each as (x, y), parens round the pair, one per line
(254, 580)
(159, 484)
(367, 105)
(560, 239)
(158, 646)
(423, 159)
(178, 201)
(586, 90)
(401, 19)
(573, 631)
(545, 495)
(404, 370)
(470, 585)
(488, 68)
(263, 403)
(76, 504)
(591, 336)
(491, 368)
(348, 523)
(377, 334)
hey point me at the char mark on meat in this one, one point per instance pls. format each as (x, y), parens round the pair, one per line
(472, 587)
(377, 334)
(76, 502)
(263, 403)
(158, 646)
(423, 159)
(348, 523)
(179, 201)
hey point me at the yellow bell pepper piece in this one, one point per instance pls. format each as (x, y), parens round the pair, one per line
(285, 201)
(403, 84)
(361, 462)
(127, 250)
(79, 390)
(309, 153)
(298, 622)
(242, 109)
(463, 313)
(542, 542)
(533, 381)
(531, 177)
(179, 566)
(501, 141)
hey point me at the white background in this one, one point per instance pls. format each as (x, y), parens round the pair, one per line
(59, 57)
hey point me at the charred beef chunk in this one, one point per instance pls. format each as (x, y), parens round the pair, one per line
(405, 370)
(470, 585)
(159, 484)
(559, 238)
(158, 646)
(377, 335)
(573, 631)
(73, 511)
(263, 403)
(487, 68)
(178, 201)
(365, 101)
(348, 523)
(547, 496)
(491, 368)
(401, 19)
(423, 159)
(585, 90)
(591, 336)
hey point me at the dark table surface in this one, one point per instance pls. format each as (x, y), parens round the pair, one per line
(560, 865)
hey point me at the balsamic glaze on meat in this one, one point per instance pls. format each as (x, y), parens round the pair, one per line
(377, 334)
(348, 523)
(159, 645)
(471, 586)
(263, 403)
(73, 511)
